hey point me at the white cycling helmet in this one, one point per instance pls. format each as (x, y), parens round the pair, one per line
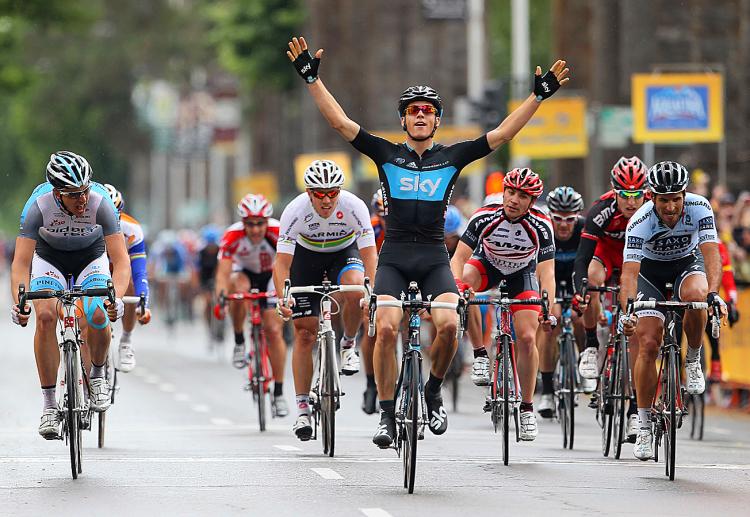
(115, 195)
(324, 174)
(254, 205)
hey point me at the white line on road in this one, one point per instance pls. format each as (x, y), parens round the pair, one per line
(200, 408)
(152, 379)
(327, 473)
(288, 448)
(221, 421)
(181, 397)
(166, 387)
(374, 512)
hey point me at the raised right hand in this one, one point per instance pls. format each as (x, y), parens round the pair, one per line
(305, 64)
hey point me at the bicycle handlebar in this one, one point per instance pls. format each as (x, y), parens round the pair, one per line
(633, 306)
(62, 294)
(140, 301)
(459, 307)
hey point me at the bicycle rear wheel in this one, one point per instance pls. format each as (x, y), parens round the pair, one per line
(560, 404)
(618, 394)
(328, 396)
(411, 424)
(670, 420)
(256, 379)
(570, 390)
(605, 403)
(72, 403)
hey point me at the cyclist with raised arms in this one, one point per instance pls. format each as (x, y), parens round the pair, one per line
(670, 239)
(136, 246)
(69, 228)
(417, 179)
(325, 234)
(565, 206)
(246, 256)
(512, 242)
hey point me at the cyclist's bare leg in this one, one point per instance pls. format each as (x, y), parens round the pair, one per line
(350, 302)
(526, 323)
(45, 341)
(473, 279)
(547, 343)
(305, 334)
(694, 288)
(388, 321)
(97, 339)
(444, 346)
(649, 332)
(272, 327)
(596, 277)
(238, 283)
(366, 352)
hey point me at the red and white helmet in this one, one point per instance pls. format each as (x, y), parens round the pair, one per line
(524, 180)
(628, 174)
(254, 205)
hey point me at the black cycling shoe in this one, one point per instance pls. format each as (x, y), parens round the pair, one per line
(370, 400)
(386, 432)
(436, 414)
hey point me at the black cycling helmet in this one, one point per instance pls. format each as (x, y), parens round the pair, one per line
(68, 170)
(668, 178)
(564, 199)
(420, 93)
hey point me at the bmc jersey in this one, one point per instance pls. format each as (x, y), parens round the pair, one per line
(302, 225)
(417, 189)
(648, 237)
(256, 258)
(604, 221)
(510, 246)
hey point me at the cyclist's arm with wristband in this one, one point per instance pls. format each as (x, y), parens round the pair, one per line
(365, 238)
(307, 67)
(138, 262)
(460, 257)
(544, 87)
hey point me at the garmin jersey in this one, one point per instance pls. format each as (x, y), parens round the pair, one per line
(648, 237)
(44, 220)
(417, 189)
(510, 246)
(302, 225)
(256, 258)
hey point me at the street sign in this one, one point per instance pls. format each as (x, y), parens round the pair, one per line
(444, 9)
(557, 130)
(257, 182)
(615, 126)
(678, 108)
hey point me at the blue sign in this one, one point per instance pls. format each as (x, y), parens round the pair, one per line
(677, 107)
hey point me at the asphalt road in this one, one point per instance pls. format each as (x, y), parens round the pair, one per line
(183, 440)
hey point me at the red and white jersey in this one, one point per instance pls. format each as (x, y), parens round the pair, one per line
(256, 258)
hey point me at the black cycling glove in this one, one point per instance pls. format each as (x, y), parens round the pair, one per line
(307, 66)
(732, 313)
(545, 85)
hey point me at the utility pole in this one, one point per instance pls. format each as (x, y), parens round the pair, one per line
(521, 56)
(476, 50)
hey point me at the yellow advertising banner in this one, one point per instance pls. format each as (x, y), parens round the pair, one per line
(678, 108)
(445, 135)
(557, 130)
(265, 183)
(735, 347)
(302, 161)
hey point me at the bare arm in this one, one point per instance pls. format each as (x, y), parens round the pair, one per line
(712, 260)
(517, 119)
(223, 270)
(546, 272)
(370, 258)
(19, 270)
(629, 282)
(327, 104)
(118, 255)
(281, 267)
(460, 256)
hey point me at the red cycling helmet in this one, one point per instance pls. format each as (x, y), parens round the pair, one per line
(628, 174)
(254, 205)
(524, 180)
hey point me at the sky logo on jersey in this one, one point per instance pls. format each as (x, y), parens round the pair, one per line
(422, 186)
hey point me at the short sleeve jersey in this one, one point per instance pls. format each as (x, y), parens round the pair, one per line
(417, 190)
(302, 225)
(256, 258)
(133, 233)
(510, 246)
(604, 221)
(565, 253)
(648, 237)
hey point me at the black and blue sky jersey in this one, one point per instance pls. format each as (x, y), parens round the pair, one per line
(416, 191)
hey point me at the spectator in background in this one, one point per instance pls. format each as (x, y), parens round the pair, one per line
(740, 233)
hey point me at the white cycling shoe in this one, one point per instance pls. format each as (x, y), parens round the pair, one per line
(644, 448)
(588, 385)
(696, 383)
(546, 406)
(588, 367)
(480, 371)
(126, 357)
(634, 424)
(100, 394)
(349, 361)
(49, 428)
(528, 426)
(303, 428)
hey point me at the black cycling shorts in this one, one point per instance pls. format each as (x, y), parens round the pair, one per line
(312, 267)
(427, 264)
(655, 274)
(261, 282)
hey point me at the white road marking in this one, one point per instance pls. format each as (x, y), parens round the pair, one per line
(221, 421)
(288, 448)
(374, 512)
(167, 387)
(327, 473)
(200, 408)
(181, 397)
(152, 379)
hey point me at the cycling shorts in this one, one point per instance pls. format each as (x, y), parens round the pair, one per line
(427, 264)
(655, 274)
(261, 282)
(312, 267)
(609, 253)
(521, 285)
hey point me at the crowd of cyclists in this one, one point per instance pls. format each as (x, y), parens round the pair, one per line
(644, 233)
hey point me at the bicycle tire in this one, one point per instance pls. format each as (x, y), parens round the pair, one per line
(109, 372)
(570, 386)
(505, 416)
(328, 396)
(256, 379)
(71, 416)
(604, 400)
(620, 420)
(697, 415)
(670, 436)
(412, 431)
(561, 410)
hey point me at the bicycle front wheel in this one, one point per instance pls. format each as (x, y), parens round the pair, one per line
(570, 390)
(412, 427)
(618, 393)
(329, 396)
(72, 403)
(670, 420)
(605, 402)
(506, 380)
(256, 380)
